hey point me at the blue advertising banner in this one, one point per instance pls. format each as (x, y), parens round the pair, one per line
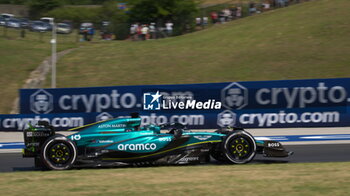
(193, 120)
(19, 122)
(284, 103)
(108, 99)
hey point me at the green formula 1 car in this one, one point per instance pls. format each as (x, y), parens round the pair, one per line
(124, 142)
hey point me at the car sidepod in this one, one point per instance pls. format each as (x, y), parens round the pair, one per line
(146, 146)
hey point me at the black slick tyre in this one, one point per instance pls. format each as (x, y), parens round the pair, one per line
(58, 153)
(239, 147)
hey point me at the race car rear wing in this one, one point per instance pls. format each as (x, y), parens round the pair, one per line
(35, 136)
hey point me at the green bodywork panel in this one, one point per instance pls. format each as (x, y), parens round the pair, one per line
(123, 135)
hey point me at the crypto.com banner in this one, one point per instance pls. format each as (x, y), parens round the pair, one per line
(193, 120)
(65, 121)
(284, 103)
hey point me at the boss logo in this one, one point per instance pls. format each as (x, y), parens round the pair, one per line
(165, 139)
(273, 145)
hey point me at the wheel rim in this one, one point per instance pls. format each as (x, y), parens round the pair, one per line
(59, 154)
(240, 148)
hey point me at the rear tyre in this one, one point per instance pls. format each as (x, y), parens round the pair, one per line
(59, 153)
(239, 147)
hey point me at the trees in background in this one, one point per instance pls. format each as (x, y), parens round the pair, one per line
(38, 7)
(68, 2)
(75, 14)
(84, 2)
(180, 12)
(119, 20)
(17, 2)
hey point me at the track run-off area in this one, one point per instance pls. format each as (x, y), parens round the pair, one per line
(11, 162)
(308, 144)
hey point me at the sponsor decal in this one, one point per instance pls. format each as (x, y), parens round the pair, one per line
(273, 145)
(234, 96)
(37, 134)
(164, 139)
(226, 119)
(186, 159)
(137, 147)
(104, 141)
(41, 102)
(33, 144)
(103, 126)
(146, 133)
(202, 137)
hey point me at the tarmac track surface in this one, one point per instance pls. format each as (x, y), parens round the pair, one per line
(11, 162)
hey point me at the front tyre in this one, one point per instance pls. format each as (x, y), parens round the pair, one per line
(59, 153)
(239, 147)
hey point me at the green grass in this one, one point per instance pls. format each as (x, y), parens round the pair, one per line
(251, 179)
(20, 56)
(309, 40)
